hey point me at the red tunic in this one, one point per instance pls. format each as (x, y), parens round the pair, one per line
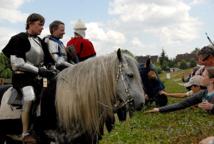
(84, 48)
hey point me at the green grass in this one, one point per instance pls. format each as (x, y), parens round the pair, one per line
(186, 126)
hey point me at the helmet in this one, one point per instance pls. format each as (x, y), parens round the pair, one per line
(79, 28)
(79, 25)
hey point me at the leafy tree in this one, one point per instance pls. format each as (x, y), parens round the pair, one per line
(183, 65)
(195, 51)
(162, 57)
(5, 71)
(172, 63)
(192, 63)
(164, 61)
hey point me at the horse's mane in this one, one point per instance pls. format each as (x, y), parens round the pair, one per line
(86, 91)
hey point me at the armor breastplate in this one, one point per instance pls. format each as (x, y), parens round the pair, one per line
(35, 55)
(57, 48)
(63, 53)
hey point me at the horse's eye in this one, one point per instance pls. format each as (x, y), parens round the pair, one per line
(130, 75)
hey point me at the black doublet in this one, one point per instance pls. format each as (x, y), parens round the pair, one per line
(19, 45)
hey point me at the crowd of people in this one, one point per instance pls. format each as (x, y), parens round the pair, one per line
(201, 86)
(32, 58)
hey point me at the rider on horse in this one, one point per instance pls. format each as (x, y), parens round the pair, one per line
(56, 46)
(82, 46)
(27, 53)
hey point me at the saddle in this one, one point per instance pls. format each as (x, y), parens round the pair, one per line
(15, 99)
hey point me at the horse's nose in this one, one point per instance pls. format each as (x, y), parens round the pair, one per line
(140, 107)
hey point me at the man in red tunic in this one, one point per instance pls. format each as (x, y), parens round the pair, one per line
(83, 47)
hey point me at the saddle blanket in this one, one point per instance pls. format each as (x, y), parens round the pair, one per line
(7, 111)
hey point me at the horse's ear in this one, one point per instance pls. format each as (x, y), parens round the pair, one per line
(119, 55)
(148, 62)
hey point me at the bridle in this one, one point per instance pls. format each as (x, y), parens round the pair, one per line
(129, 100)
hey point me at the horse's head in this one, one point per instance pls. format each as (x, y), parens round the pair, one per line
(129, 88)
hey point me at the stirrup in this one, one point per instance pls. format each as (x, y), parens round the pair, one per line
(28, 138)
(25, 134)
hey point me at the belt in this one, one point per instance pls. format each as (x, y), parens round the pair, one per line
(19, 72)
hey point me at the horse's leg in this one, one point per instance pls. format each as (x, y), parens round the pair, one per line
(101, 129)
(109, 122)
(87, 139)
(80, 138)
(121, 113)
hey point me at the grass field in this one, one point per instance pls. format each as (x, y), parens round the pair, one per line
(186, 126)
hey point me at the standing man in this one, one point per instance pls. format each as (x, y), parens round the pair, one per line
(27, 53)
(56, 46)
(83, 47)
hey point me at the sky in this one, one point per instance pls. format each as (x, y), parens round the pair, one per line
(144, 27)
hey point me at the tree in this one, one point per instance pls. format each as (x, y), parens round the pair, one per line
(164, 61)
(195, 51)
(183, 65)
(5, 70)
(172, 63)
(192, 63)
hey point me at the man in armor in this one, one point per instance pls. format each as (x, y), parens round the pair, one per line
(83, 47)
(56, 46)
(27, 53)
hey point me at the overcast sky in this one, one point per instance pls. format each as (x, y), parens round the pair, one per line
(144, 27)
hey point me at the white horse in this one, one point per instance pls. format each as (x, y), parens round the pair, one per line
(87, 96)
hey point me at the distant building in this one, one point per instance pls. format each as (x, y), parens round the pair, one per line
(185, 56)
(178, 58)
